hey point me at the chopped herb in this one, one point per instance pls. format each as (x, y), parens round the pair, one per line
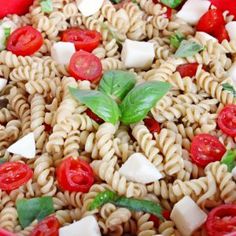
(2, 160)
(171, 3)
(229, 159)
(176, 39)
(7, 32)
(230, 88)
(46, 6)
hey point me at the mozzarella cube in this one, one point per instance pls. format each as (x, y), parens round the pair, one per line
(188, 216)
(231, 29)
(87, 226)
(89, 7)
(24, 146)
(138, 169)
(232, 72)
(62, 52)
(234, 173)
(193, 10)
(204, 37)
(3, 83)
(137, 54)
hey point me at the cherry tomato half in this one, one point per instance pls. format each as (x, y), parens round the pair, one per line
(221, 221)
(14, 175)
(222, 34)
(85, 66)
(227, 120)
(152, 125)
(25, 41)
(75, 175)
(188, 69)
(94, 116)
(156, 220)
(47, 227)
(225, 5)
(86, 40)
(206, 148)
(3, 232)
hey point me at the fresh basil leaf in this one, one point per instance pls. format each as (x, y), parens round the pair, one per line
(117, 83)
(188, 49)
(46, 6)
(141, 99)
(116, 1)
(171, 3)
(7, 32)
(101, 104)
(176, 39)
(2, 160)
(230, 88)
(229, 159)
(36, 208)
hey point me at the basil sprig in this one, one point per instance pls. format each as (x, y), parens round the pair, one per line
(188, 49)
(35, 208)
(130, 203)
(141, 99)
(46, 6)
(176, 39)
(230, 88)
(117, 83)
(229, 159)
(99, 103)
(171, 3)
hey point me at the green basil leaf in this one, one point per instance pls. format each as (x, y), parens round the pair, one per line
(116, 1)
(2, 160)
(7, 32)
(188, 49)
(176, 39)
(141, 99)
(101, 104)
(171, 3)
(230, 88)
(117, 83)
(229, 159)
(46, 6)
(36, 208)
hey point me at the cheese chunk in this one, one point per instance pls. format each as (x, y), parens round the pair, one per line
(137, 54)
(187, 216)
(89, 7)
(192, 11)
(2, 39)
(87, 226)
(204, 37)
(234, 173)
(62, 52)
(3, 83)
(138, 169)
(231, 29)
(232, 72)
(24, 146)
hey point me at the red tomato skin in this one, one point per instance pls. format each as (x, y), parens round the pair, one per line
(188, 69)
(219, 212)
(16, 45)
(222, 34)
(152, 125)
(199, 146)
(3, 232)
(86, 40)
(227, 114)
(87, 61)
(8, 169)
(155, 220)
(94, 116)
(47, 227)
(168, 12)
(226, 5)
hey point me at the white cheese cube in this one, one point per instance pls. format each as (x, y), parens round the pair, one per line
(231, 29)
(193, 10)
(62, 52)
(204, 37)
(188, 216)
(137, 54)
(234, 173)
(24, 146)
(232, 72)
(3, 83)
(87, 226)
(138, 169)
(89, 7)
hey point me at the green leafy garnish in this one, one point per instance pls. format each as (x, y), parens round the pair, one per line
(7, 32)
(2, 160)
(171, 3)
(141, 99)
(116, 1)
(36, 208)
(130, 203)
(229, 159)
(46, 6)
(188, 49)
(176, 39)
(117, 83)
(101, 104)
(230, 88)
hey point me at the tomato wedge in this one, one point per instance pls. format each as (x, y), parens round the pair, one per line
(14, 175)
(188, 69)
(75, 175)
(227, 120)
(94, 116)
(47, 227)
(25, 41)
(85, 66)
(206, 148)
(3, 232)
(225, 5)
(152, 125)
(221, 221)
(86, 40)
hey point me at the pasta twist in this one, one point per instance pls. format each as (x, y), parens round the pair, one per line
(8, 218)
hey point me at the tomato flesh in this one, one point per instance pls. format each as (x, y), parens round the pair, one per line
(188, 69)
(226, 5)
(3, 232)
(94, 116)
(227, 120)
(14, 175)
(47, 227)
(25, 41)
(222, 34)
(221, 221)
(206, 148)
(75, 175)
(152, 125)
